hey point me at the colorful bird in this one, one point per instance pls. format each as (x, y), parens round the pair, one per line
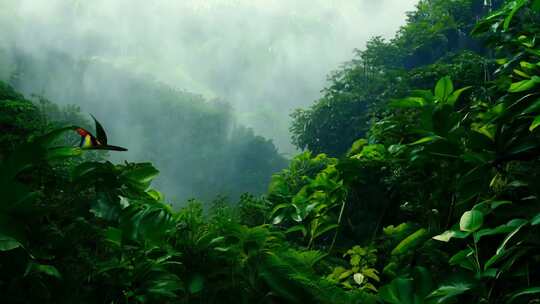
(99, 142)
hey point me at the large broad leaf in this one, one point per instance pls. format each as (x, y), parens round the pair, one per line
(141, 176)
(106, 207)
(471, 220)
(444, 88)
(411, 242)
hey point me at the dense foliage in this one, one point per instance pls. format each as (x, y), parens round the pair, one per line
(438, 202)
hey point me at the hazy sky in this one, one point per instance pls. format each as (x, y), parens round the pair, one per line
(265, 57)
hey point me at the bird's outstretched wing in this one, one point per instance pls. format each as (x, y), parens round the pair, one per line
(100, 132)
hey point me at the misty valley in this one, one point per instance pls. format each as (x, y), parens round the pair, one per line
(270, 151)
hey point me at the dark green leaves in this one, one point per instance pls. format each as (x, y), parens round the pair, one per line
(449, 291)
(516, 6)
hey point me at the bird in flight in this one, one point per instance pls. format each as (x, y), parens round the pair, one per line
(98, 142)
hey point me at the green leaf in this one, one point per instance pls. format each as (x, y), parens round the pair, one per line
(114, 235)
(456, 94)
(523, 292)
(44, 269)
(444, 88)
(463, 258)
(63, 152)
(324, 230)
(141, 175)
(399, 291)
(448, 291)
(517, 5)
(411, 242)
(535, 123)
(534, 107)
(524, 85)
(506, 228)
(521, 73)
(278, 219)
(358, 278)
(427, 95)
(297, 228)
(408, 102)
(535, 220)
(12, 233)
(527, 65)
(536, 5)
(507, 239)
(196, 284)
(451, 234)
(426, 139)
(8, 243)
(158, 196)
(471, 220)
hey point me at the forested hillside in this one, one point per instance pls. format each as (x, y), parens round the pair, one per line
(419, 183)
(186, 135)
